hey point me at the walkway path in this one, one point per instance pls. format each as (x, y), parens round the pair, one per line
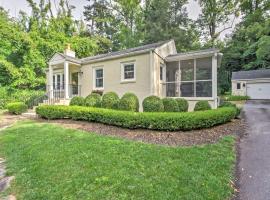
(254, 166)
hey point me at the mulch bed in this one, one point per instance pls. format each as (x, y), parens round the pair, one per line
(177, 138)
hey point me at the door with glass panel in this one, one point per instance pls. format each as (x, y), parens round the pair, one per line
(58, 85)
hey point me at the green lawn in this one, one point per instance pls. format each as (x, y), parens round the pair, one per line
(50, 162)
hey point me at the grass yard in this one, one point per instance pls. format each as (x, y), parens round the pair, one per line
(50, 162)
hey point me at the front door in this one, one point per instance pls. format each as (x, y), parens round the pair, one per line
(75, 84)
(58, 85)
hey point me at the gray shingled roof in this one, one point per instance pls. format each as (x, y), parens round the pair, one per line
(144, 48)
(252, 74)
(194, 52)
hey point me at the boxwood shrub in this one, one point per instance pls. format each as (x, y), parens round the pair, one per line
(170, 105)
(77, 101)
(229, 104)
(129, 102)
(17, 108)
(146, 120)
(236, 98)
(152, 104)
(110, 100)
(202, 105)
(93, 100)
(182, 104)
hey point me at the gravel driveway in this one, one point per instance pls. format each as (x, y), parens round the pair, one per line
(254, 165)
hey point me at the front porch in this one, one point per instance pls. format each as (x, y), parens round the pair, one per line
(63, 77)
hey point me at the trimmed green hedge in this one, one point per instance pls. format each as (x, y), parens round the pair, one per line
(17, 108)
(236, 98)
(229, 104)
(110, 100)
(77, 101)
(133, 120)
(182, 104)
(202, 105)
(152, 104)
(93, 100)
(129, 102)
(170, 105)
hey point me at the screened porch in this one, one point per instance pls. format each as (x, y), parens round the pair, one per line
(192, 76)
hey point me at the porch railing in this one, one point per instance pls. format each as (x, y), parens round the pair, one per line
(58, 91)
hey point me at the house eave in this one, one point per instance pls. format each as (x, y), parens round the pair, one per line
(115, 57)
(192, 55)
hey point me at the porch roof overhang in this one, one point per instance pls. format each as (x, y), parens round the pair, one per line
(195, 54)
(60, 58)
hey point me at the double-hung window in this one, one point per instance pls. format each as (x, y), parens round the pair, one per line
(98, 78)
(128, 72)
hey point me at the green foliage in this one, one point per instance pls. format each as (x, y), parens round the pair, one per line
(202, 105)
(168, 19)
(110, 100)
(129, 102)
(9, 94)
(17, 108)
(229, 104)
(77, 101)
(215, 13)
(235, 98)
(85, 161)
(93, 100)
(146, 120)
(182, 104)
(170, 105)
(28, 42)
(153, 104)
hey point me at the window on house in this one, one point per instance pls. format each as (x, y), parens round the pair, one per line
(161, 69)
(128, 71)
(238, 86)
(189, 78)
(98, 77)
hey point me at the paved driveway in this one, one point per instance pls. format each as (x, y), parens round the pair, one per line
(255, 153)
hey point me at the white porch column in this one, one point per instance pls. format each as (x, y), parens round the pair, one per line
(66, 75)
(50, 86)
(214, 79)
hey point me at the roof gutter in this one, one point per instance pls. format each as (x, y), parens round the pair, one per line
(85, 61)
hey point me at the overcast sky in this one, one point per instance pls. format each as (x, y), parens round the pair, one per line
(14, 6)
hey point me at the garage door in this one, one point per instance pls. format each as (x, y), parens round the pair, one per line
(258, 90)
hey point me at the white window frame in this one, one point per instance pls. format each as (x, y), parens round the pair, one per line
(162, 68)
(123, 71)
(239, 84)
(94, 78)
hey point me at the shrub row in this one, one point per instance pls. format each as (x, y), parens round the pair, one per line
(16, 108)
(236, 98)
(146, 120)
(110, 100)
(130, 102)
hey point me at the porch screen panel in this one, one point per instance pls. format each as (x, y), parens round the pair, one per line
(204, 77)
(172, 79)
(186, 78)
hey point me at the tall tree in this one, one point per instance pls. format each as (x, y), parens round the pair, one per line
(118, 20)
(248, 46)
(216, 17)
(168, 19)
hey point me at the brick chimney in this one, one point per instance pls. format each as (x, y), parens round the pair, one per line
(69, 52)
